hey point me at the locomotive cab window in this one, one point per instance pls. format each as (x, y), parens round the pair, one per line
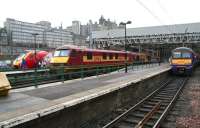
(177, 55)
(58, 53)
(104, 56)
(89, 55)
(186, 55)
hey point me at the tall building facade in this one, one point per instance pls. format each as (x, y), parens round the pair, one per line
(86, 30)
(21, 34)
(3, 37)
(76, 27)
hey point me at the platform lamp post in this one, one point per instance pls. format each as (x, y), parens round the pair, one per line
(125, 47)
(35, 45)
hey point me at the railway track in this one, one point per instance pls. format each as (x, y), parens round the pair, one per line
(185, 113)
(152, 110)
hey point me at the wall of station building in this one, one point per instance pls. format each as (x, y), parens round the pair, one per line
(20, 34)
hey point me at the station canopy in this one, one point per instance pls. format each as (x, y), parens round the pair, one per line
(145, 31)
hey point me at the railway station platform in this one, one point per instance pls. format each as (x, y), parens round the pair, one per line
(24, 105)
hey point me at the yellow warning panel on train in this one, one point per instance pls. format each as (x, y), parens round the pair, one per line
(181, 61)
(4, 84)
(59, 60)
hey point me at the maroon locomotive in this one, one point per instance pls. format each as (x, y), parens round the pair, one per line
(75, 57)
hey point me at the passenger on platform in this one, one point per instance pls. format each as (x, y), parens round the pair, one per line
(43, 64)
(39, 64)
(23, 64)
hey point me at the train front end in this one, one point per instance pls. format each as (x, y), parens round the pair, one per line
(17, 62)
(182, 62)
(60, 58)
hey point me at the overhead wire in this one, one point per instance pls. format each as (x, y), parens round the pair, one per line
(171, 19)
(152, 13)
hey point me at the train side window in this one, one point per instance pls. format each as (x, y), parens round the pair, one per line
(116, 55)
(104, 56)
(110, 56)
(89, 55)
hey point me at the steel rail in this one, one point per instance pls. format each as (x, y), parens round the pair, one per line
(166, 111)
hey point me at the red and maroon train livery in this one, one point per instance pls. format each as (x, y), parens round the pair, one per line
(28, 60)
(75, 57)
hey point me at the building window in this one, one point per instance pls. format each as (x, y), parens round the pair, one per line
(89, 55)
(110, 56)
(104, 56)
(116, 55)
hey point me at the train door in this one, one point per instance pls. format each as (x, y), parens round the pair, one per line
(75, 57)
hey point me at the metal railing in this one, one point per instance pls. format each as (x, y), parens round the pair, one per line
(61, 74)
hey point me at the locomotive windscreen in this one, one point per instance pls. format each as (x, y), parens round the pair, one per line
(61, 53)
(186, 55)
(181, 55)
(177, 55)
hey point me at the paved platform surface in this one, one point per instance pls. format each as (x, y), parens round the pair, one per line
(26, 104)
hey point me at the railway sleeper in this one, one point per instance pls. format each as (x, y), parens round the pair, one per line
(159, 100)
(168, 91)
(165, 95)
(162, 98)
(148, 110)
(123, 125)
(141, 115)
(154, 102)
(150, 122)
(133, 122)
(145, 111)
(170, 88)
(151, 106)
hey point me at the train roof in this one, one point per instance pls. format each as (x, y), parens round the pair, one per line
(88, 49)
(183, 49)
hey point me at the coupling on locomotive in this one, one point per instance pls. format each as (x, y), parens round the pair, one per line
(183, 60)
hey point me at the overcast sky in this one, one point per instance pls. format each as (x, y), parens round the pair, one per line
(140, 12)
